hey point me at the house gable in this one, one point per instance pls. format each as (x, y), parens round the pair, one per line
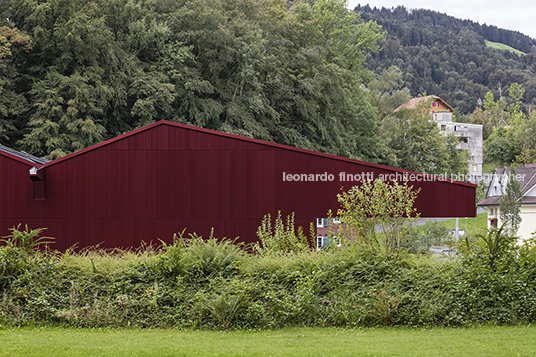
(531, 192)
(526, 175)
(436, 104)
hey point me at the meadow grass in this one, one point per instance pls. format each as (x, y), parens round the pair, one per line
(501, 46)
(474, 341)
(474, 224)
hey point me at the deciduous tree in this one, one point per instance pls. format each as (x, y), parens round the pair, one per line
(377, 214)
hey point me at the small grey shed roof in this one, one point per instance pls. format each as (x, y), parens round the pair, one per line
(23, 155)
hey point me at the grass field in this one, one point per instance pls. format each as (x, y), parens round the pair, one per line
(501, 46)
(474, 342)
(474, 225)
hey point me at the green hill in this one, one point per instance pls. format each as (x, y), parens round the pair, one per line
(501, 46)
(452, 58)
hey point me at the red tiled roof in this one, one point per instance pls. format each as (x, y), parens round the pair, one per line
(412, 104)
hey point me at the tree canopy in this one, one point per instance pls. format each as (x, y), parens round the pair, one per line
(89, 70)
(449, 57)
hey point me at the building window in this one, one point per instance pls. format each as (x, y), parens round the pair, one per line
(435, 104)
(324, 222)
(323, 242)
(321, 222)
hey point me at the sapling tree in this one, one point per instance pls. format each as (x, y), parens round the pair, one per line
(510, 203)
(377, 214)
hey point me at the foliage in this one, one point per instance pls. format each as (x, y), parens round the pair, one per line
(511, 130)
(421, 238)
(214, 284)
(224, 308)
(386, 93)
(414, 142)
(282, 238)
(13, 43)
(18, 255)
(384, 305)
(510, 203)
(289, 73)
(345, 36)
(493, 272)
(495, 248)
(198, 257)
(377, 204)
(439, 54)
(481, 191)
(27, 240)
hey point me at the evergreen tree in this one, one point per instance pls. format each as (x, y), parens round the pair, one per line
(285, 72)
(510, 203)
(13, 43)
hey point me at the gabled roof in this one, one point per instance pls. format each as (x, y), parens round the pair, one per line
(38, 161)
(242, 138)
(412, 104)
(527, 175)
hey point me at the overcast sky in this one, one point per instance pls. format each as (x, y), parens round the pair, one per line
(517, 15)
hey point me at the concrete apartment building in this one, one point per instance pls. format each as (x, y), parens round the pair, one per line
(469, 135)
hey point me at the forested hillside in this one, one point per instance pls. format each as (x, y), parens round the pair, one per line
(76, 72)
(310, 74)
(441, 55)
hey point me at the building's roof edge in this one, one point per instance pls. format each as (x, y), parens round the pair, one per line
(22, 156)
(256, 141)
(412, 104)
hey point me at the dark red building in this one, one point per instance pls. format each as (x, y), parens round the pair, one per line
(157, 180)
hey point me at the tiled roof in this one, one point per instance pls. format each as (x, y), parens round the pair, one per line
(527, 175)
(23, 155)
(529, 200)
(412, 104)
(490, 201)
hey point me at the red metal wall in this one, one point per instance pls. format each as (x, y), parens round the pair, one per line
(156, 181)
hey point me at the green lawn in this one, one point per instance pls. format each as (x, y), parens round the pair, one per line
(474, 342)
(474, 225)
(501, 46)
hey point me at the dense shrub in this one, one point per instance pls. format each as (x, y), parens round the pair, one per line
(215, 284)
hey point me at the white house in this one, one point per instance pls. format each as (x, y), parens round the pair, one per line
(526, 176)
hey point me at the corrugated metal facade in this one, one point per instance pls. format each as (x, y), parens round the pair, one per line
(158, 180)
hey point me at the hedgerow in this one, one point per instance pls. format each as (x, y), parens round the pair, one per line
(217, 284)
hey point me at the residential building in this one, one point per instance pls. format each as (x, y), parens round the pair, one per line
(469, 135)
(526, 176)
